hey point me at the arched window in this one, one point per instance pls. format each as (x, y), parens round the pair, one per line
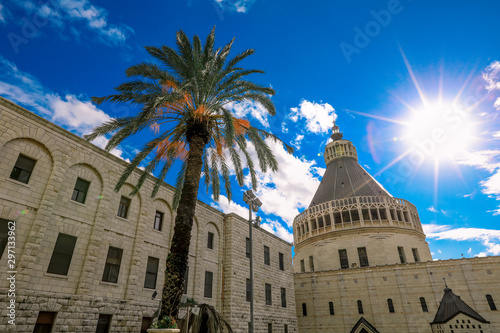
(304, 309)
(390, 305)
(423, 304)
(360, 307)
(330, 304)
(491, 303)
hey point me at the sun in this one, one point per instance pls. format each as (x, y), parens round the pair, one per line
(439, 131)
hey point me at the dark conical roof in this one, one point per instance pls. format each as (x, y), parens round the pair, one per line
(344, 178)
(451, 305)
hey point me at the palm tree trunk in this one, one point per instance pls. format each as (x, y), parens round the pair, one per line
(177, 259)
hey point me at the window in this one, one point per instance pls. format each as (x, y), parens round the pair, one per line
(146, 323)
(390, 305)
(158, 225)
(360, 307)
(248, 246)
(332, 311)
(186, 281)
(423, 304)
(103, 324)
(210, 241)
(302, 266)
(311, 263)
(283, 297)
(402, 256)
(249, 290)
(282, 261)
(491, 303)
(269, 328)
(151, 273)
(209, 277)
(62, 254)
(344, 262)
(23, 169)
(113, 262)
(44, 322)
(269, 300)
(304, 309)
(286, 328)
(267, 257)
(4, 234)
(123, 207)
(80, 191)
(363, 257)
(416, 257)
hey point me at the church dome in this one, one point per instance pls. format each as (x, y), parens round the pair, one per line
(350, 209)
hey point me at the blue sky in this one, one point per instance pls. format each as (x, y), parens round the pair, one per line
(415, 85)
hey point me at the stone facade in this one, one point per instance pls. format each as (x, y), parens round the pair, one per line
(43, 209)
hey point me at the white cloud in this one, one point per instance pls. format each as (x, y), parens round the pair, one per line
(490, 238)
(492, 76)
(78, 14)
(319, 117)
(240, 6)
(70, 112)
(230, 207)
(277, 229)
(432, 209)
(284, 192)
(297, 141)
(245, 108)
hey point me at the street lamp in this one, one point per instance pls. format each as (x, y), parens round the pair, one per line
(253, 205)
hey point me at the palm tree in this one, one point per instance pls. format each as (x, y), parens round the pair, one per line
(184, 99)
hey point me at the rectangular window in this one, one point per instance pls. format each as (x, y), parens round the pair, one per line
(363, 257)
(103, 323)
(113, 262)
(123, 207)
(283, 297)
(267, 256)
(80, 191)
(423, 304)
(282, 261)
(151, 273)
(44, 322)
(390, 305)
(186, 281)
(302, 266)
(416, 257)
(311, 263)
(269, 328)
(248, 245)
(62, 254)
(209, 277)
(402, 255)
(491, 303)
(210, 241)
(4, 235)
(146, 323)
(344, 262)
(249, 290)
(158, 225)
(23, 169)
(268, 295)
(286, 328)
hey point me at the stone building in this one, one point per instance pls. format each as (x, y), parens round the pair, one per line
(362, 264)
(88, 259)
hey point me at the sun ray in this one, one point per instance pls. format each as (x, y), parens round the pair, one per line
(377, 117)
(436, 181)
(394, 161)
(413, 77)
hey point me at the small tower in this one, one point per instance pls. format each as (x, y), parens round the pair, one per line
(352, 221)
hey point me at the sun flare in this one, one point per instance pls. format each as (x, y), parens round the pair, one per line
(439, 131)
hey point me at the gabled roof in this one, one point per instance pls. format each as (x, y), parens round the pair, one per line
(451, 305)
(363, 323)
(345, 178)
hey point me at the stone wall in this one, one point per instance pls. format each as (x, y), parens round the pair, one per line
(471, 279)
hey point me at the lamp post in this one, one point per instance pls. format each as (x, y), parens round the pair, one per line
(253, 205)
